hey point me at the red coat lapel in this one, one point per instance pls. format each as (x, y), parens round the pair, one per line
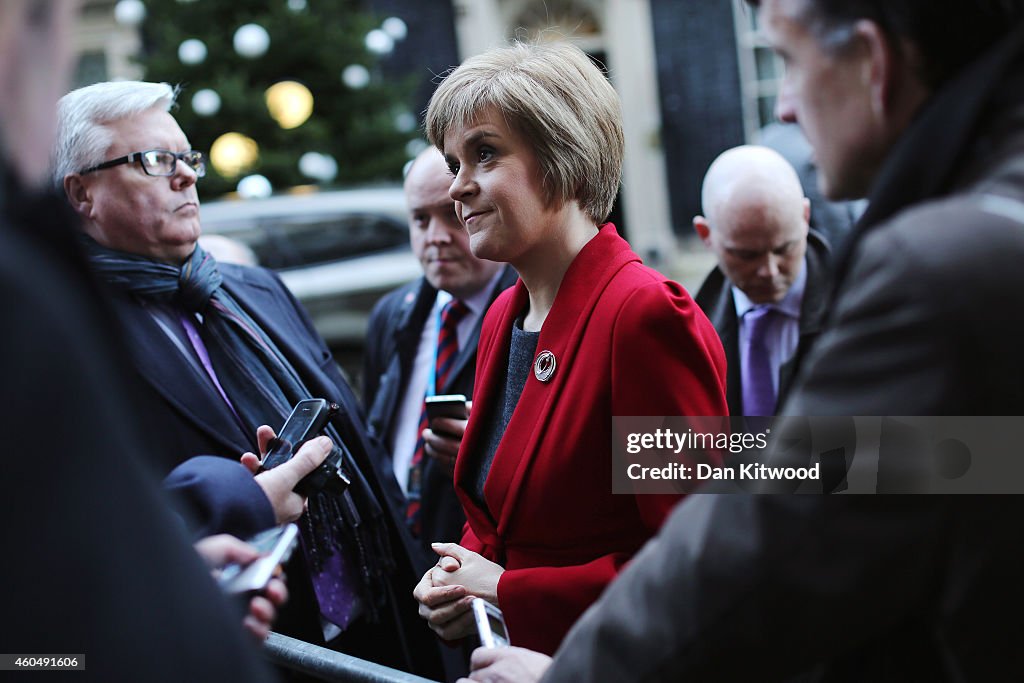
(581, 288)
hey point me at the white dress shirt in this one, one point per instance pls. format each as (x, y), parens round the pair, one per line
(404, 434)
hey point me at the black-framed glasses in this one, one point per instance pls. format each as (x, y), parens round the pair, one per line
(158, 162)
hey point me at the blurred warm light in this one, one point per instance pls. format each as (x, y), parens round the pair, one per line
(290, 103)
(233, 153)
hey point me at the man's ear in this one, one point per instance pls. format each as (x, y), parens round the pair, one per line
(881, 67)
(78, 193)
(700, 225)
(807, 210)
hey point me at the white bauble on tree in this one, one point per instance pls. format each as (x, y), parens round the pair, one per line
(405, 122)
(355, 76)
(414, 147)
(251, 41)
(254, 187)
(129, 12)
(192, 51)
(395, 27)
(322, 167)
(378, 42)
(206, 102)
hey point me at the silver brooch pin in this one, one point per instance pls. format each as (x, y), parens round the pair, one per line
(544, 366)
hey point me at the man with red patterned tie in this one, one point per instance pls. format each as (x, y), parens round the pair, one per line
(422, 342)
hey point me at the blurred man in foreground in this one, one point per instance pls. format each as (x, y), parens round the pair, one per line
(833, 220)
(921, 107)
(96, 570)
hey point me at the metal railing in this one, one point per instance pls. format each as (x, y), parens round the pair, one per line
(328, 665)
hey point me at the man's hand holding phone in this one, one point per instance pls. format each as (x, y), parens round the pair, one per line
(223, 550)
(279, 483)
(448, 416)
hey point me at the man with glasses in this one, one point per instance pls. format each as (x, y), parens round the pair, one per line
(157, 162)
(223, 350)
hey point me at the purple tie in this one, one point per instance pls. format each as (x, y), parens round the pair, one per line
(335, 588)
(758, 384)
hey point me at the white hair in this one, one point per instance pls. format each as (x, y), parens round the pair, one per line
(82, 137)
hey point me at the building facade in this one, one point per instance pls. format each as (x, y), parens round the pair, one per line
(693, 77)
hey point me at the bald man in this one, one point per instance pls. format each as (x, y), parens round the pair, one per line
(402, 345)
(766, 296)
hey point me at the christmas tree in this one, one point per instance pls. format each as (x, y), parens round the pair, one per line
(329, 118)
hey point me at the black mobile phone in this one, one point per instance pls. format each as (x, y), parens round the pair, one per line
(448, 405)
(307, 420)
(490, 624)
(275, 547)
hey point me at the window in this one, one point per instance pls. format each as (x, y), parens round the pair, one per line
(760, 71)
(91, 68)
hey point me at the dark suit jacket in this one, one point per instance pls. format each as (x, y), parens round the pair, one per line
(185, 416)
(94, 564)
(218, 496)
(396, 325)
(627, 341)
(716, 300)
(185, 407)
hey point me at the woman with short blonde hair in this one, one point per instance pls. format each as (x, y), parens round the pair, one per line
(555, 96)
(533, 137)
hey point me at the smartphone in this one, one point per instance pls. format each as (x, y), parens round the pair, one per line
(448, 405)
(490, 624)
(275, 547)
(307, 420)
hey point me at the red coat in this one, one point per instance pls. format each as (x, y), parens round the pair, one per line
(627, 341)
